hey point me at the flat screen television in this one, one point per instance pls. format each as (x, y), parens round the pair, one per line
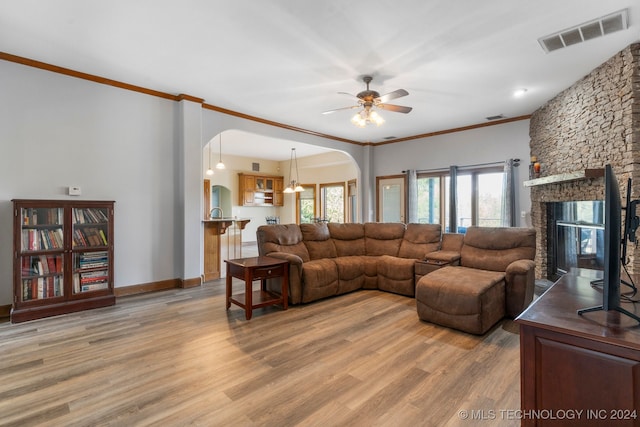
(612, 246)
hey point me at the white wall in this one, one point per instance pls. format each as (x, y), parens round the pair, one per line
(476, 146)
(57, 131)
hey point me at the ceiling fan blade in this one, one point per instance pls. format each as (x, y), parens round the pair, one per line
(395, 108)
(339, 109)
(348, 94)
(393, 95)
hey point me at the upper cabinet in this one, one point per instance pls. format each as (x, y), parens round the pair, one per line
(260, 190)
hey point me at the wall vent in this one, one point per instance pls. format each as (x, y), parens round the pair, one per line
(589, 30)
(498, 117)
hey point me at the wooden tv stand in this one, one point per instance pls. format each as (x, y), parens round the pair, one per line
(578, 370)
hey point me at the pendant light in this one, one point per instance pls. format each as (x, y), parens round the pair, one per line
(294, 186)
(209, 170)
(220, 165)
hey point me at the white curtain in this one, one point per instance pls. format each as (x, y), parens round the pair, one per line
(412, 202)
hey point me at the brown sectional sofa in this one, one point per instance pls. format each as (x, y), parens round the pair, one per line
(495, 277)
(332, 259)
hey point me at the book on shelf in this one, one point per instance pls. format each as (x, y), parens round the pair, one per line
(42, 287)
(35, 240)
(89, 260)
(51, 264)
(41, 216)
(94, 286)
(87, 282)
(41, 265)
(103, 237)
(89, 216)
(90, 236)
(94, 276)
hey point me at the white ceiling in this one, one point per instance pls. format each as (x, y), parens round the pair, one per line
(286, 60)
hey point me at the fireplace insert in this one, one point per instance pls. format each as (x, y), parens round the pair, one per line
(576, 236)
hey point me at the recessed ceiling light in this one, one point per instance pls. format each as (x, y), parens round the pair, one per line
(520, 92)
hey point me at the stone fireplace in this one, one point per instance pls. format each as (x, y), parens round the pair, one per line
(593, 123)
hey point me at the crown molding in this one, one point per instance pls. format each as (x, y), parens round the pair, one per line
(277, 124)
(454, 130)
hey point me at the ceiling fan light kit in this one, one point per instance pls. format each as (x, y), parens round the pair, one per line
(367, 116)
(369, 100)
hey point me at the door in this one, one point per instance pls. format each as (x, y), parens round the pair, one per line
(391, 205)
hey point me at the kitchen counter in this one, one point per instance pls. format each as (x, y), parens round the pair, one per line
(218, 247)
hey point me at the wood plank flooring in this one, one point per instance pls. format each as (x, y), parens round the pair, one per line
(177, 357)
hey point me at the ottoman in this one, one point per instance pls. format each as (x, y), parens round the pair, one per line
(463, 298)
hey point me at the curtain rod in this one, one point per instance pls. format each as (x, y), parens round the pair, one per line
(463, 167)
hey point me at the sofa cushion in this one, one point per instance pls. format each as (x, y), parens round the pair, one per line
(494, 248)
(383, 238)
(419, 240)
(396, 275)
(318, 241)
(319, 279)
(347, 238)
(285, 238)
(452, 242)
(351, 272)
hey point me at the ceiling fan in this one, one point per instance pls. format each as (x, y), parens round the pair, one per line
(370, 99)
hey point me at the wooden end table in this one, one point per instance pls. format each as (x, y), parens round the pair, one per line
(257, 268)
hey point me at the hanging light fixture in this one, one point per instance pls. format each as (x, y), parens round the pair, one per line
(366, 116)
(209, 170)
(294, 186)
(220, 165)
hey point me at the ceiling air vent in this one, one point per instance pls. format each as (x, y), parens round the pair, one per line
(498, 117)
(589, 30)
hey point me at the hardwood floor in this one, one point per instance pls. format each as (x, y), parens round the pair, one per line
(177, 357)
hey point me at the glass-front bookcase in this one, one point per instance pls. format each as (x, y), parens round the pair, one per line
(63, 257)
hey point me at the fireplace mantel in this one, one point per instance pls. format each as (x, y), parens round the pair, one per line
(565, 177)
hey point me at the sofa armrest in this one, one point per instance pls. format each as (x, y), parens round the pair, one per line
(295, 276)
(293, 259)
(520, 283)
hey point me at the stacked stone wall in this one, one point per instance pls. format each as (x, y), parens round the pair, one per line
(593, 123)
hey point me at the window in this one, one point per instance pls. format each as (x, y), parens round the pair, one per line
(479, 195)
(332, 202)
(429, 202)
(306, 204)
(490, 192)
